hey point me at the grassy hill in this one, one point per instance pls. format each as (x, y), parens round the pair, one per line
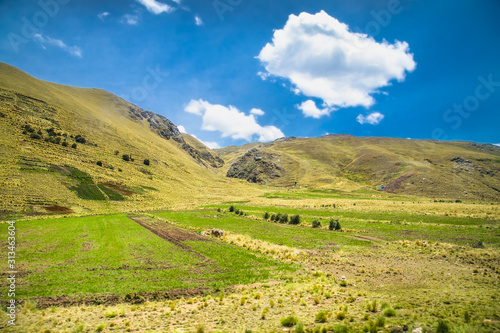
(62, 152)
(453, 170)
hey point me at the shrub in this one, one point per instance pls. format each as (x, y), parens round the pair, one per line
(337, 226)
(322, 316)
(467, 317)
(241, 212)
(100, 327)
(218, 210)
(117, 152)
(126, 157)
(111, 314)
(295, 219)
(316, 224)
(146, 162)
(64, 144)
(289, 321)
(273, 217)
(80, 139)
(120, 170)
(237, 211)
(73, 146)
(266, 216)
(442, 327)
(99, 163)
(35, 136)
(231, 209)
(372, 307)
(332, 225)
(284, 218)
(278, 217)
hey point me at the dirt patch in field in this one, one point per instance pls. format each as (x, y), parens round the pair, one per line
(58, 209)
(396, 183)
(119, 188)
(87, 246)
(170, 233)
(112, 299)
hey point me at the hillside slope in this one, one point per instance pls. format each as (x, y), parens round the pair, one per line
(62, 151)
(455, 170)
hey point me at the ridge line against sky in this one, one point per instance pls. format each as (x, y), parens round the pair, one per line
(232, 72)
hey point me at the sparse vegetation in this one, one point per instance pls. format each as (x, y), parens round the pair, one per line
(289, 321)
(125, 157)
(146, 162)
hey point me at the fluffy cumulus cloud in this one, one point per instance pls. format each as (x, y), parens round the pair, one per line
(232, 122)
(156, 7)
(257, 112)
(323, 59)
(309, 109)
(373, 118)
(46, 40)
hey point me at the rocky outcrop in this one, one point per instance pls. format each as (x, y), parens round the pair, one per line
(167, 130)
(256, 166)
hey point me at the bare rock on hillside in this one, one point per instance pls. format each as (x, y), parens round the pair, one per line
(256, 166)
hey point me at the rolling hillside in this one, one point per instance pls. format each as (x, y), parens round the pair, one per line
(62, 152)
(453, 170)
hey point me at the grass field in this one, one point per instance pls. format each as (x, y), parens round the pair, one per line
(153, 272)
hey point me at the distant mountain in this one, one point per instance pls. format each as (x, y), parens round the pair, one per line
(63, 151)
(436, 169)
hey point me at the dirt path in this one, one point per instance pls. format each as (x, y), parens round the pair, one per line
(170, 233)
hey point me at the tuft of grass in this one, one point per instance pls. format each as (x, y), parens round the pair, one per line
(442, 327)
(289, 321)
(100, 327)
(322, 316)
(299, 328)
(340, 315)
(389, 312)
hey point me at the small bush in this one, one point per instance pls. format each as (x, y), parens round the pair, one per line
(322, 316)
(266, 216)
(316, 224)
(73, 146)
(99, 163)
(64, 144)
(372, 307)
(332, 225)
(231, 209)
(100, 327)
(284, 218)
(295, 219)
(273, 217)
(80, 139)
(289, 321)
(35, 136)
(278, 217)
(343, 283)
(237, 211)
(218, 210)
(126, 157)
(117, 152)
(442, 327)
(146, 162)
(111, 313)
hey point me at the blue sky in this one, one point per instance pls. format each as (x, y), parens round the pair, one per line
(235, 71)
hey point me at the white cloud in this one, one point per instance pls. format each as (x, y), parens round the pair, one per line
(197, 20)
(257, 112)
(46, 40)
(103, 15)
(309, 109)
(209, 144)
(497, 144)
(231, 122)
(130, 19)
(373, 118)
(156, 7)
(323, 59)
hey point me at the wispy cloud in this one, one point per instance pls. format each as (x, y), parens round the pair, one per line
(46, 40)
(103, 15)
(373, 118)
(130, 19)
(497, 144)
(197, 20)
(156, 7)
